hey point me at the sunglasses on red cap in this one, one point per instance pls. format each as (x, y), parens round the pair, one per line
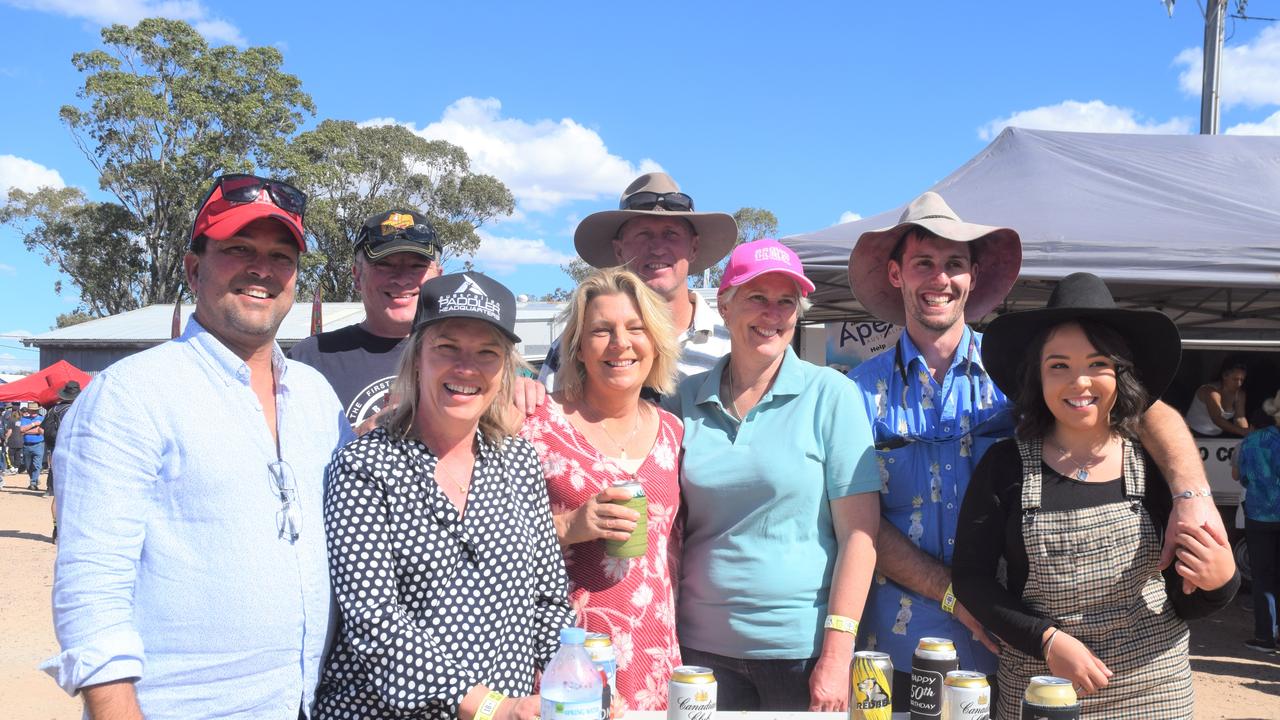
(238, 189)
(673, 201)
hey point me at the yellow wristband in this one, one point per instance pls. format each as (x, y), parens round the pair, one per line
(841, 623)
(489, 705)
(949, 600)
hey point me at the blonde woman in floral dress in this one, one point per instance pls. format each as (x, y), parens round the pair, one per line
(596, 431)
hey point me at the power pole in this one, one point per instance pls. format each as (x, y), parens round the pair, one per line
(1214, 28)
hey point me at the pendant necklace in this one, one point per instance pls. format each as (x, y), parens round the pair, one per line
(622, 446)
(1082, 471)
(462, 489)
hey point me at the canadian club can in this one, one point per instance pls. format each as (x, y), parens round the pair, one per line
(600, 647)
(1050, 698)
(691, 694)
(966, 696)
(871, 686)
(933, 659)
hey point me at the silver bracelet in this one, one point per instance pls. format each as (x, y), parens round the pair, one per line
(1189, 494)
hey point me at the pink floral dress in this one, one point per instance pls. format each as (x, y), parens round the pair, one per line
(631, 599)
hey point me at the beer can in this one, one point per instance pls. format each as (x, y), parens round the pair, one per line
(1050, 698)
(691, 694)
(871, 686)
(600, 647)
(638, 544)
(966, 695)
(933, 659)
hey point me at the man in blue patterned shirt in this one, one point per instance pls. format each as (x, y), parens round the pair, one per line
(934, 412)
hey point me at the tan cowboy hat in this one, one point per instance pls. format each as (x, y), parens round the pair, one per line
(717, 232)
(999, 255)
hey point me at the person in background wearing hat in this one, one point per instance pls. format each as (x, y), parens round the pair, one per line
(779, 485)
(32, 428)
(445, 565)
(12, 440)
(657, 235)
(1073, 509)
(934, 412)
(192, 577)
(1257, 467)
(52, 422)
(395, 252)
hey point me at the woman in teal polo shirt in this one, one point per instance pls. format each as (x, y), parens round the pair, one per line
(780, 485)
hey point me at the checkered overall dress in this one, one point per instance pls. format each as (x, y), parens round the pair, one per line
(1095, 571)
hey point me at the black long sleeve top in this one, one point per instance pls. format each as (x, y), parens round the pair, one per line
(990, 526)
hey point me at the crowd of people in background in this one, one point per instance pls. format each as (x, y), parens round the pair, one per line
(404, 477)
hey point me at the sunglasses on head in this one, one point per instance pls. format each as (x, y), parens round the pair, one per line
(420, 233)
(239, 189)
(673, 201)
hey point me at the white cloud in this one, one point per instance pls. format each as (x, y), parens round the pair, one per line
(24, 174)
(8, 269)
(16, 334)
(1250, 71)
(848, 216)
(1092, 116)
(1270, 126)
(129, 12)
(545, 163)
(503, 255)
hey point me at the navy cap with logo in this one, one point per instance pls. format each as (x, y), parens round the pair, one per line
(467, 295)
(397, 231)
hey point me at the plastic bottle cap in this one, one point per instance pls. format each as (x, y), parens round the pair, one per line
(572, 636)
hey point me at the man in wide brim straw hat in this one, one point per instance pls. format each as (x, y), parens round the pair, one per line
(657, 234)
(935, 410)
(996, 250)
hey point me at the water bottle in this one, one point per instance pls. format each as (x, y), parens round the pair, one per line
(571, 687)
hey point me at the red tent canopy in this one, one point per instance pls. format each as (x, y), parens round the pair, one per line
(43, 386)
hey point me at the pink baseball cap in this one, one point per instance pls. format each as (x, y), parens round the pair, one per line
(753, 259)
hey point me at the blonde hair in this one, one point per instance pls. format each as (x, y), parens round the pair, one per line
(653, 313)
(496, 425)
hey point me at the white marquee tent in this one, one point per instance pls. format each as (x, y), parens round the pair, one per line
(1188, 224)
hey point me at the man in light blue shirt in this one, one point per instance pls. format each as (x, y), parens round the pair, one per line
(934, 412)
(191, 578)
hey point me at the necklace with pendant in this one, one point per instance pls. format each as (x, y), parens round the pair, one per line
(1082, 471)
(622, 446)
(462, 489)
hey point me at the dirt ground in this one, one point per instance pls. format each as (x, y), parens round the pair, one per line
(1231, 680)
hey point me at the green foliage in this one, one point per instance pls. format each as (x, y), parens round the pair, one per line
(162, 114)
(91, 242)
(578, 270)
(352, 172)
(753, 224)
(72, 318)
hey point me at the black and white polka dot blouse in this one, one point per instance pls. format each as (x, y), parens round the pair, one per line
(432, 602)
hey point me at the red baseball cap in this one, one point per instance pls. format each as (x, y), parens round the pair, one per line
(237, 200)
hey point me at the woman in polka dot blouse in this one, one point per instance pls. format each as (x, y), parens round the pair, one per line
(595, 431)
(442, 550)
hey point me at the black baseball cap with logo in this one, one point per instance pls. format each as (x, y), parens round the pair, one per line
(397, 231)
(467, 295)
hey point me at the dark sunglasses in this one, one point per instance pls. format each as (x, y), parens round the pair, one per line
(238, 189)
(673, 201)
(418, 232)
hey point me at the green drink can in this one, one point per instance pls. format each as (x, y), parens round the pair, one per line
(638, 543)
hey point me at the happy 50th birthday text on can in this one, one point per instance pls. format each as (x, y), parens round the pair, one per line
(1050, 698)
(691, 694)
(966, 695)
(871, 686)
(933, 659)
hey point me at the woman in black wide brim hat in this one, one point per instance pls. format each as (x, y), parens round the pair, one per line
(1077, 509)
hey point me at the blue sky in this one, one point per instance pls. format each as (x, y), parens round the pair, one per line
(817, 111)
